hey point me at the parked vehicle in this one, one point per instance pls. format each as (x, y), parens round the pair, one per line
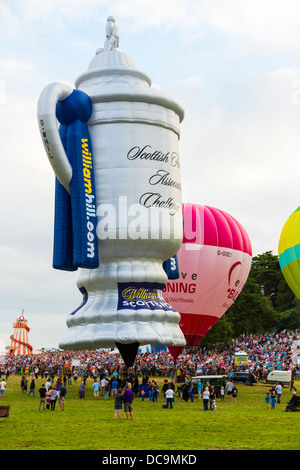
(243, 377)
(216, 380)
(282, 376)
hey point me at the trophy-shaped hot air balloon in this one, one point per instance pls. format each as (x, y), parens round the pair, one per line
(289, 252)
(118, 210)
(214, 263)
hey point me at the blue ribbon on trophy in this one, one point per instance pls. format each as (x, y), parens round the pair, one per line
(75, 238)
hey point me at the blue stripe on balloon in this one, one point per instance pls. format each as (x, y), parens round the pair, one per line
(289, 255)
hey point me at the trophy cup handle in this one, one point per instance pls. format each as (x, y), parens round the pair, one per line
(48, 126)
(69, 151)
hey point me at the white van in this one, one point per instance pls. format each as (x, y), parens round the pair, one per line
(282, 376)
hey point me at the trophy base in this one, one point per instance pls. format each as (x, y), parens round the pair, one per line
(92, 337)
(106, 335)
(125, 316)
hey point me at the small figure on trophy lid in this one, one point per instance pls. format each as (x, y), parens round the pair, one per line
(112, 35)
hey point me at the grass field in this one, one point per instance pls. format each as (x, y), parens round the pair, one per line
(89, 424)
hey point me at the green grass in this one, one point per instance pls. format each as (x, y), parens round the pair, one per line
(89, 424)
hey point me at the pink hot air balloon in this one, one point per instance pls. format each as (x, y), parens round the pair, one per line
(214, 263)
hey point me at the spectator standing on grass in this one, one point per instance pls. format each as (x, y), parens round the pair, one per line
(118, 403)
(102, 384)
(212, 396)
(234, 392)
(205, 398)
(165, 388)
(23, 385)
(82, 390)
(32, 388)
(114, 387)
(191, 393)
(96, 388)
(273, 398)
(268, 400)
(278, 390)
(292, 387)
(228, 389)
(127, 400)
(106, 390)
(169, 397)
(155, 391)
(185, 392)
(222, 393)
(150, 392)
(2, 389)
(62, 391)
(42, 392)
(53, 398)
(48, 384)
(48, 398)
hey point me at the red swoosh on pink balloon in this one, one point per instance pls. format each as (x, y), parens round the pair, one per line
(231, 269)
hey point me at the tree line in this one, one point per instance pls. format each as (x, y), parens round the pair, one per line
(265, 304)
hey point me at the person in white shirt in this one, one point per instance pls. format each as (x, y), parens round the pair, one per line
(169, 397)
(278, 390)
(2, 388)
(205, 396)
(48, 384)
(102, 384)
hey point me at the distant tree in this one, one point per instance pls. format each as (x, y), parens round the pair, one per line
(265, 270)
(221, 333)
(285, 298)
(251, 312)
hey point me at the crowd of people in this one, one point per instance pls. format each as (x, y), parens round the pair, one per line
(111, 378)
(265, 352)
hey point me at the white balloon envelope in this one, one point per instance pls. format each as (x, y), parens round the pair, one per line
(118, 200)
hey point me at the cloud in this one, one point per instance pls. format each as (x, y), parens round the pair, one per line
(273, 24)
(168, 15)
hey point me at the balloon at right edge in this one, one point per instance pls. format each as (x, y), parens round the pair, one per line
(289, 252)
(214, 263)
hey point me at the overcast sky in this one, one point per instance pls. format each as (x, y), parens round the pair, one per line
(234, 66)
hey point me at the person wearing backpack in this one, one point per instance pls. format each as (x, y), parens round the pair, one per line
(155, 392)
